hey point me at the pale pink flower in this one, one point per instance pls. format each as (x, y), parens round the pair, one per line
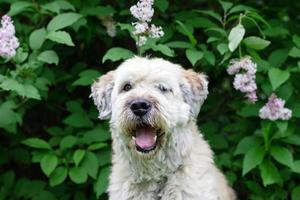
(140, 28)
(143, 10)
(244, 77)
(156, 31)
(274, 109)
(8, 41)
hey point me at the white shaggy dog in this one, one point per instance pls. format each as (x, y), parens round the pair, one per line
(158, 152)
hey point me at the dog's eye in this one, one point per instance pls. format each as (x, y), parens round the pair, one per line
(127, 87)
(163, 88)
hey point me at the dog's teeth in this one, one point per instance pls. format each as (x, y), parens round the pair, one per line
(155, 137)
(133, 137)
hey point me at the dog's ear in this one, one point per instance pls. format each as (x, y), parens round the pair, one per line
(101, 94)
(194, 89)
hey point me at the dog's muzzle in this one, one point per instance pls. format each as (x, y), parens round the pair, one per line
(140, 107)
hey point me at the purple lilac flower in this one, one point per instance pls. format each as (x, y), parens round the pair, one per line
(244, 80)
(8, 41)
(274, 109)
(143, 12)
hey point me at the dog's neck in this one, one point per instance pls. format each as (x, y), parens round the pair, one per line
(166, 161)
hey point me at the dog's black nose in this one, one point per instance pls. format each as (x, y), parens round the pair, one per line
(140, 107)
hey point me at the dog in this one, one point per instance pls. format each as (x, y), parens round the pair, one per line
(158, 151)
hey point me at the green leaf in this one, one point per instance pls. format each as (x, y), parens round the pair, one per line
(78, 156)
(49, 57)
(296, 193)
(87, 77)
(61, 37)
(210, 57)
(235, 37)
(68, 142)
(25, 90)
(295, 52)
(222, 48)
(100, 11)
(278, 77)
(162, 5)
(78, 120)
(296, 40)
(256, 43)
(57, 6)
(36, 143)
(18, 7)
(282, 155)
(7, 114)
(253, 158)
(37, 38)
(78, 175)
(49, 163)
(193, 55)
(179, 44)
(186, 31)
(117, 53)
(246, 144)
(164, 49)
(269, 173)
(63, 20)
(278, 57)
(296, 167)
(211, 14)
(58, 176)
(102, 181)
(226, 5)
(90, 164)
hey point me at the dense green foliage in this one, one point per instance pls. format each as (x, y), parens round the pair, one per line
(52, 146)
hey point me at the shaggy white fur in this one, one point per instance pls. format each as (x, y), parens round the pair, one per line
(181, 165)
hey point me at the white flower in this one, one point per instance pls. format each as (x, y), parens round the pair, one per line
(143, 10)
(141, 40)
(8, 41)
(245, 83)
(140, 28)
(274, 109)
(156, 31)
(245, 64)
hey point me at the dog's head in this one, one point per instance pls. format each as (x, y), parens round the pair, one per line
(146, 99)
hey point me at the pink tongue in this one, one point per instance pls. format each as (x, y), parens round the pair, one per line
(145, 137)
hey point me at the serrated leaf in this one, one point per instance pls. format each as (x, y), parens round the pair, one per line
(117, 53)
(194, 55)
(78, 156)
(63, 20)
(253, 158)
(37, 38)
(90, 164)
(282, 155)
(269, 173)
(278, 77)
(102, 181)
(49, 57)
(235, 37)
(58, 176)
(78, 175)
(49, 163)
(256, 43)
(36, 143)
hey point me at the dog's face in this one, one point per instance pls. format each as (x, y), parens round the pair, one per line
(146, 99)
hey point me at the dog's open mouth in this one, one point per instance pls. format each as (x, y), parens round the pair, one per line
(146, 138)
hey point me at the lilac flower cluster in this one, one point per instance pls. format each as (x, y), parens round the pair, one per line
(244, 79)
(8, 41)
(143, 12)
(274, 109)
